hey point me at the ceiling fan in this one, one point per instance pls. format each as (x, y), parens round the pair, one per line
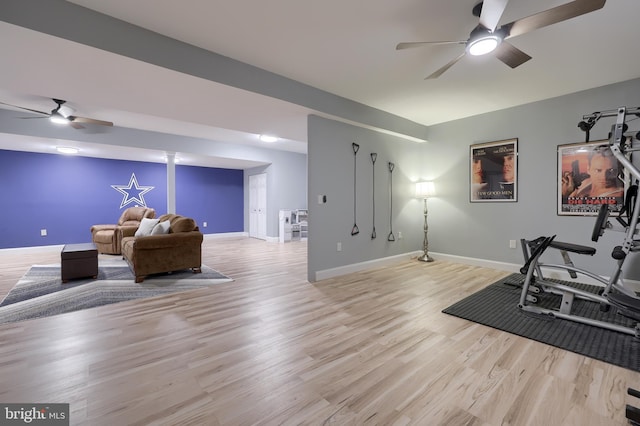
(486, 37)
(60, 115)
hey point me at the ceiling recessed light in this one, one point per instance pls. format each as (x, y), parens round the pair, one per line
(67, 150)
(268, 138)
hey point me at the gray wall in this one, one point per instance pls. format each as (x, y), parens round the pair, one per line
(483, 230)
(331, 173)
(477, 231)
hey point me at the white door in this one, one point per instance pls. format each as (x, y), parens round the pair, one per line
(258, 206)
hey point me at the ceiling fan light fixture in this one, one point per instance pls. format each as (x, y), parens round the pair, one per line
(484, 44)
(58, 118)
(65, 111)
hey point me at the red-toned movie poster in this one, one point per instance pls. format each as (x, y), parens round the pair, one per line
(494, 171)
(588, 176)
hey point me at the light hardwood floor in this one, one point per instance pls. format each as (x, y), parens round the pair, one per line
(270, 348)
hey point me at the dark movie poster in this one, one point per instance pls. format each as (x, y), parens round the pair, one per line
(494, 171)
(588, 176)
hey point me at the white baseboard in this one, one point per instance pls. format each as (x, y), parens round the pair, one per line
(356, 267)
(39, 249)
(501, 266)
(385, 261)
(237, 235)
(484, 263)
(226, 235)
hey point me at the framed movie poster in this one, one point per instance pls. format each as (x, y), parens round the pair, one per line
(588, 176)
(494, 171)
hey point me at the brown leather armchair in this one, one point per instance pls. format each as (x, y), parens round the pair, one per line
(107, 237)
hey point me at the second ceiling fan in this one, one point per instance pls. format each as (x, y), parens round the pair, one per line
(486, 37)
(57, 115)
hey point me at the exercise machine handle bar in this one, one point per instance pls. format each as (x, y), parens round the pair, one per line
(610, 113)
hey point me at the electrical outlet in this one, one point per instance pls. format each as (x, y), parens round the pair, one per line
(339, 247)
(512, 244)
(399, 235)
(204, 224)
(43, 232)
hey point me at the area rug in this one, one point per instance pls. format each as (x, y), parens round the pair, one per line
(496, 306)
(41, 293)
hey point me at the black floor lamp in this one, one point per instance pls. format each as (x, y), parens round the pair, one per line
(425, 190)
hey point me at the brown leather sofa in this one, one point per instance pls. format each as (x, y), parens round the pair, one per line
(180, 248)
(107, 237)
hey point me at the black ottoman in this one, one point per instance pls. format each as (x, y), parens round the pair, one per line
(79, 261)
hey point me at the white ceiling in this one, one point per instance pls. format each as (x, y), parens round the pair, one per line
(343, 47)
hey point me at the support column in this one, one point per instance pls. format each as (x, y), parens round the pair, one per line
(171, 182)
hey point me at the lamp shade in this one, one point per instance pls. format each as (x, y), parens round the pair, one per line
(425, 189)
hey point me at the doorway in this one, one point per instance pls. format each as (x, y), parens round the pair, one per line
(258, 206)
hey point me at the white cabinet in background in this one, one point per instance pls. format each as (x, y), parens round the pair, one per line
(292, 225)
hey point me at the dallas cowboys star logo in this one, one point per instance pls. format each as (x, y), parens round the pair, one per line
(133, 192)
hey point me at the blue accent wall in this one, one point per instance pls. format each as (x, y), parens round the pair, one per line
(211, 195)
(66, 195)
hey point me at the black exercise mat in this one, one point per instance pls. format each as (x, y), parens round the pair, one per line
(496, 306)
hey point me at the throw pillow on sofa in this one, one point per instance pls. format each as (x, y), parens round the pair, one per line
(161, 228)
(146, 226)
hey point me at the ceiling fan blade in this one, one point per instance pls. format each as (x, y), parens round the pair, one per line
(492, 11)
(440, 71)
(75, 119)
(412, 44)
(511, 55)
(26, 109)
(76, 125)
(552, 16)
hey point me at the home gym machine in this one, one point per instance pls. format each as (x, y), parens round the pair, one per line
(613, 293)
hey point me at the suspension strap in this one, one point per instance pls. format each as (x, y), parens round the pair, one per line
(629, 203)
